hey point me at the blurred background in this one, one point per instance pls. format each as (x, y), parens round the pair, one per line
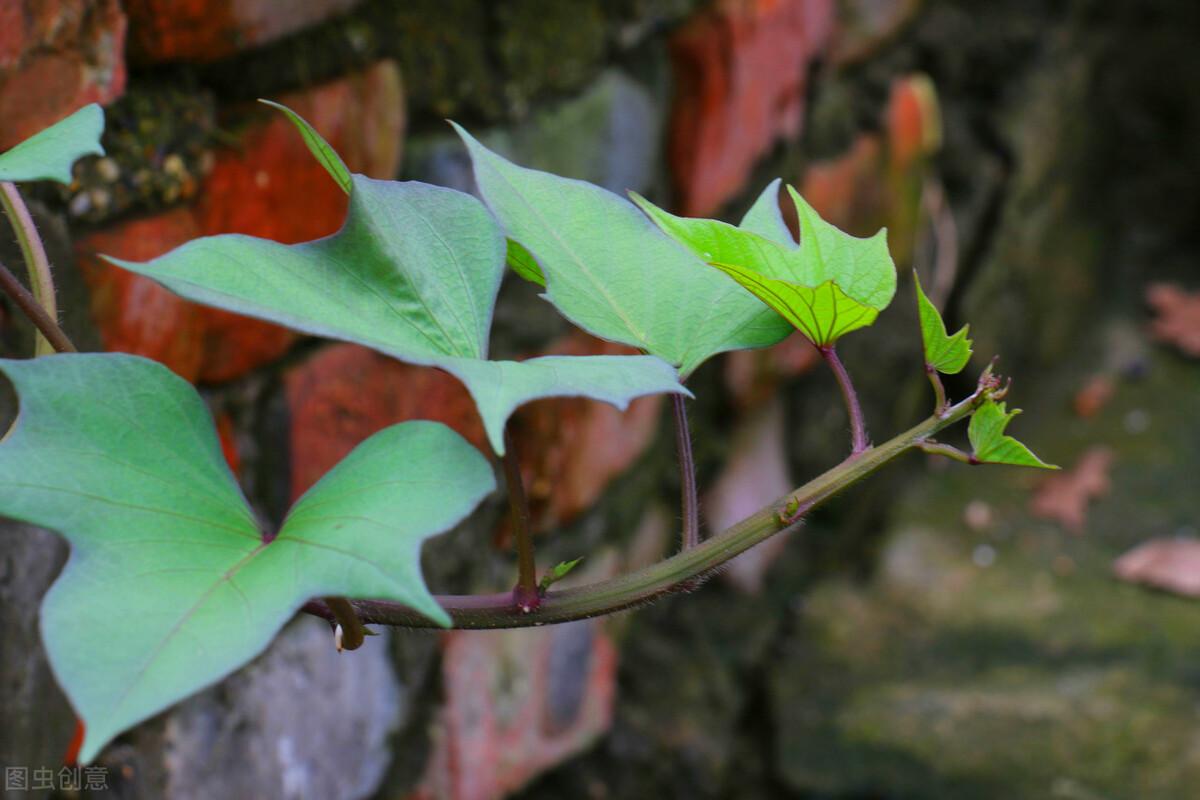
(938, 632)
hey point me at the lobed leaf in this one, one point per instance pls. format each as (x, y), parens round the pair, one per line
(48, 155)
(991, 445)
(827, 286)
(172, 582)
(609, 271)
(946, 354)
(413, 273)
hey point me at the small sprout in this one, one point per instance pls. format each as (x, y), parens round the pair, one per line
(556, 574)
(991, 445)
(338, 636)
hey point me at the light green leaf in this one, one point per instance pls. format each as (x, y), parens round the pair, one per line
(609, 271)
(48, 156)
(946, 354)
(556, 573)
(522, 262)
(766, 219)
(317, 145)
(990, 443)
(172, 584)
(413, 273)
(814, 296)
(863, 268)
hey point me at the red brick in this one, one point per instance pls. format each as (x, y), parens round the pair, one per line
(495, 734)
(864, 26)
(572, 448)
(134, 314)
(345, 393)
(740, 71)
(269, 186)
(207, 30)
(55, 57)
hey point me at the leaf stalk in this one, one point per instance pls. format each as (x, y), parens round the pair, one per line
(858, 427)
(40, 278)
(689, 502)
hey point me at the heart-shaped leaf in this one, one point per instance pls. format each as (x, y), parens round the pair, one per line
(48, 155)
(172, 582)
(946, 354)
(990, 443)
(829, 285)
(413, 273)
(609, 271)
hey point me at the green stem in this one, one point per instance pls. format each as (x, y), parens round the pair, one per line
(40, 279)
(525, 596)
(681, 571)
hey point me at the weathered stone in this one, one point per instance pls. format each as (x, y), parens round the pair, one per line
(608, 135)
(740, 73)
(203, 30)
(301, 721)
(36, 722)
(517, 702)
(1007, 662)
(56, 57)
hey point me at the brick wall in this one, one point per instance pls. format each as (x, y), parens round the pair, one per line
(693, 103)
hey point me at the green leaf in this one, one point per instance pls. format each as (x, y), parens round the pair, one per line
(766, 219)
(522, 262)
(48, 156)
(611, 273)
(413, 273)
(946, 354)
(317, 145)
(991, 445)
(827, 286)
(171, 584)
(557, 573)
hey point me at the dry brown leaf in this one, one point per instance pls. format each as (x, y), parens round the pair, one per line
(1169, 564)
(1178, 316)
(1064, 497)
(1094, 395)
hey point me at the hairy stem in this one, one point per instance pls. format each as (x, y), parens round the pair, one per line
(682, 571)
(47, 327)
(525, 595)
(687, 473)
(353, 632)
(858, 428)
(36, 262)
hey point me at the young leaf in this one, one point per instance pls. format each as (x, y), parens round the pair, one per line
(522, 262)
(829, 285)
(413, 273)
(48, 156)
(610, 272)
(991, 445)
(557, 573)
(946, 354)
(172, 583)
